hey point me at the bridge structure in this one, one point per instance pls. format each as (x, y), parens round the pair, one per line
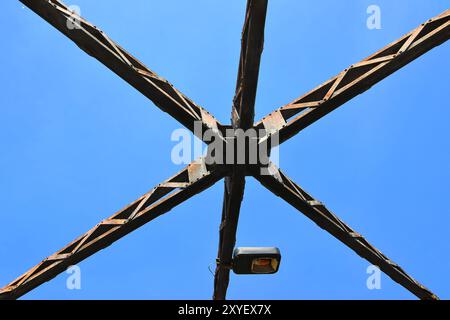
(283, 124)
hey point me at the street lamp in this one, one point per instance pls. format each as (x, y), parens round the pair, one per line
(256, 260)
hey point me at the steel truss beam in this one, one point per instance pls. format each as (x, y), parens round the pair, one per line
(192, 180)
(97, 44)
(315, 210)
(243, 111)
(243, 114)
(290, 119)
(233, 194)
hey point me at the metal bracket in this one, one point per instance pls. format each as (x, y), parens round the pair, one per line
(197, 170)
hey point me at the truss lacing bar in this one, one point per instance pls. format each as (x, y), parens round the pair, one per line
(411, 39)
(57, 257)
(315, 203)
(336, 83)
(114, 222)
(356, 235)
(302, 105)
(117, 49)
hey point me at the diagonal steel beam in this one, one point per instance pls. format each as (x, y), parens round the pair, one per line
(282, 186)
(243, 113)
(161, 199)
(97, 44)
(290, 119)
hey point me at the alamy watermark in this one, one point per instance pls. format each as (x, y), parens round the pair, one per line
(73, 281)
(374, 280)
(74, 19)
(374, 19)
(230, 147)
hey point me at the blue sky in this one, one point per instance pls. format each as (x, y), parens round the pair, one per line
(78, 143)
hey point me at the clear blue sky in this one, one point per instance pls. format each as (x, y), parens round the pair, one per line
(78, 143)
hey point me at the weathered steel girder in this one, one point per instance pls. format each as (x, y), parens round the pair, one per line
(193, 179)
(97, 44)
(243, 110)
(242, 117)
(290, 119)
(315, 210)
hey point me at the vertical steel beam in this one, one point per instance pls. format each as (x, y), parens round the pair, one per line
(243, 113)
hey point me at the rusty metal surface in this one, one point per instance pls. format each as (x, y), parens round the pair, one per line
(243, 114)
(161, 199)
(285, 122)
(325, 219)
(234, 186)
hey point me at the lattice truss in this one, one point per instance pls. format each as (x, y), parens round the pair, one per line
(285, 122)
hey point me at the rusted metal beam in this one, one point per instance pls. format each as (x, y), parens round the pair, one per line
(243, 111)
(290, 119)
(283, 187)
(97, 44)
(233, 195)
(242, 116)
(161, 199)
